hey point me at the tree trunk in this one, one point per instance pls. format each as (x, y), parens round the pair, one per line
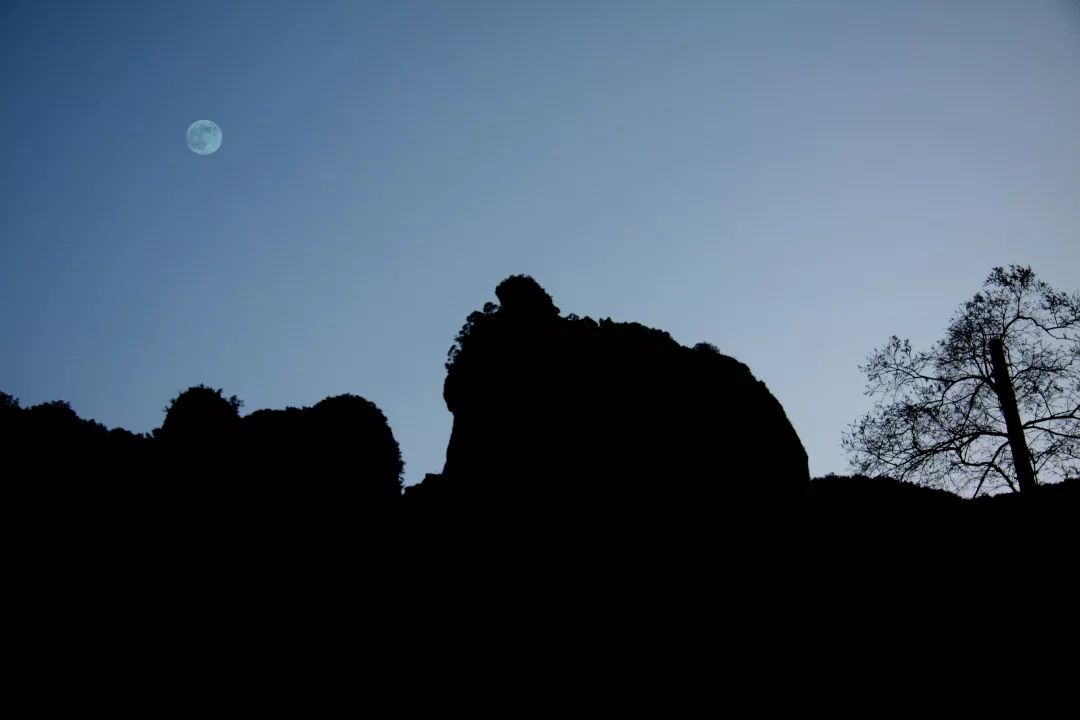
(1007, 399)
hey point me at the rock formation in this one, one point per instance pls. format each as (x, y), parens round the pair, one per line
(604, 481)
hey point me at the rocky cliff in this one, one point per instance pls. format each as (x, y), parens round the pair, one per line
(606, 485)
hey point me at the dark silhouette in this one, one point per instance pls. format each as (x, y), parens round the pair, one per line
(994, 406)
(1014, 426)
(624, 527)
(918, 603)
(585, 457)
(359, 470)
(94, 572)
(425, 658)
(293, 570)
(222, 567)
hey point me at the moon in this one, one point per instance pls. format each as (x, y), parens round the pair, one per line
(204, 137)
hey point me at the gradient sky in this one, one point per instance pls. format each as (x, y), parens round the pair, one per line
(791, 181)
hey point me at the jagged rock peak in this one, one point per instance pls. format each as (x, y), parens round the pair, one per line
(520, 294)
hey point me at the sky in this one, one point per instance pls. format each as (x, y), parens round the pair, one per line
(791, 181)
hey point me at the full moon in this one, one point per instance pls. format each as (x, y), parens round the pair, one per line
(204, 137)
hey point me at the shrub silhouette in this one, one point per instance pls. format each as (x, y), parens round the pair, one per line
(200, 413)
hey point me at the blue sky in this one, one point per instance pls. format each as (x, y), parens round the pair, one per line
(791, 181)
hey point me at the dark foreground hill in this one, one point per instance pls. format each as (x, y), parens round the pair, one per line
(223, 567)
(624, 527)
(915, 603)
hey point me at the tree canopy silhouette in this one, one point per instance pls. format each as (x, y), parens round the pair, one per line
(197, 412)
(993, 406)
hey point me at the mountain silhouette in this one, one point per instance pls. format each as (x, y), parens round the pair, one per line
(623, 527)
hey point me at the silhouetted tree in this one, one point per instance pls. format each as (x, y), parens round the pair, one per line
(994, 405)
(200, 408)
